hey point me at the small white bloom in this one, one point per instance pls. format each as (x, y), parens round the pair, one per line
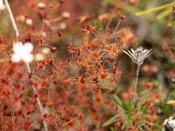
(43, 34)
(169, 124)
(2, 6)
(138, 55)
(66, 14)
(22, 52)
(39, 57)
(29, 22)
(41, 5)
(45, 50)
(62, 25)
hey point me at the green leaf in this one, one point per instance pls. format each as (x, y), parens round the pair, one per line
(165, 6)
(130, 119)
(164, 108)
(127, 106)
(112, 129)
(130, 9)
(111, 120)
(117, 100)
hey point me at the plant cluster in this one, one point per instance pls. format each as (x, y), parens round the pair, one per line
(59, 73)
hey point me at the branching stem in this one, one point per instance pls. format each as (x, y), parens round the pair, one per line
(40, 108)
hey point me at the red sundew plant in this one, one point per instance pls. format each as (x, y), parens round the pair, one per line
(80, 92)
(81, 81)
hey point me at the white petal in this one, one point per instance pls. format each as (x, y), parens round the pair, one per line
(16, 58)
(132, 55)
(148, 53)
(144, 51)
(140, 48)
(17, 47)
(132, 50)
(165, 122)
(28, 58)
(28, 47)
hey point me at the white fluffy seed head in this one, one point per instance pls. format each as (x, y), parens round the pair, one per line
(170, 123)
(139, 55)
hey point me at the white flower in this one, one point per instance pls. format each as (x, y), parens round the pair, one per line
(22, 52)
(138, 55)
(2, 6)
(169, 124)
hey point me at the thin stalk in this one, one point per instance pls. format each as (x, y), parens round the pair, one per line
(12, 18)
(137, 76)
(136, 83)
(155, 9)
(28, 67)
(38, 100)
(118, 24)
(40, 108)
